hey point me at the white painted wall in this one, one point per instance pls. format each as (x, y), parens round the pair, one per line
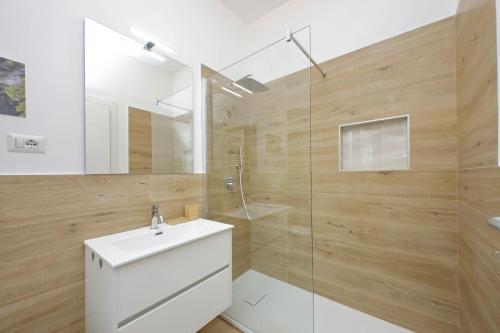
(342, 26)
(48, 37)
(99, 140)
(183, 78)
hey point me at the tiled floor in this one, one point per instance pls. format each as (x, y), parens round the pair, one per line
(218, 326)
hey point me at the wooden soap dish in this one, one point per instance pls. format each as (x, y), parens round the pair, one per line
(191, 212)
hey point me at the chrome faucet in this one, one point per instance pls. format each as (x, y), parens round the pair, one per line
(156, 219)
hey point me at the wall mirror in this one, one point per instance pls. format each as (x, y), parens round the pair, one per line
(138, 105)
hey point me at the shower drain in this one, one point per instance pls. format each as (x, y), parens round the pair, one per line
(257, 302)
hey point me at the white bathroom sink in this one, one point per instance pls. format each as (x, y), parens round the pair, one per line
(141, 242)
(123, 248)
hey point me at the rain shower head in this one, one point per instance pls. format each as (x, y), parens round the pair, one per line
(250, 84)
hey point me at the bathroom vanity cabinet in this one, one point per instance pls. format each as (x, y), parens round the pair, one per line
(173, 279)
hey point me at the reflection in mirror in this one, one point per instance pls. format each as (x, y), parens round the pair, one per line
(138, 106)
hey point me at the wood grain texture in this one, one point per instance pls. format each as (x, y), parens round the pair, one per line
(479, 269)
(219, 326)
(140, 141)
(386, 242)
(165, 147)
(477, 83)
(226, 123)
(277, 146)
(273, 129)
(43, 222)
(411, 74)
(479, 177)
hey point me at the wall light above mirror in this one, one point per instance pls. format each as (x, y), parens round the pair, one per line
(138, 104)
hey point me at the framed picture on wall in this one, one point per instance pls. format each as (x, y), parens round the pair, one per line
(12, 88)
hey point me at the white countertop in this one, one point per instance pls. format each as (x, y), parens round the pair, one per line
(126, 247)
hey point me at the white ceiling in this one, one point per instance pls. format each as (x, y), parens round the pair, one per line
(250, 11)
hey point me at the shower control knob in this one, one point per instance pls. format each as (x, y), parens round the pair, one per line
(229, 183)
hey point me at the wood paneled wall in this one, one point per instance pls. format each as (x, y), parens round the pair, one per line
(43, 222)
(226, 123)
(479, 176)
(386, 242)
(277, 151)
(273, 129)
(140, 140)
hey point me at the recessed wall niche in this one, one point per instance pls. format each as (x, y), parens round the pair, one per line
(375, 145)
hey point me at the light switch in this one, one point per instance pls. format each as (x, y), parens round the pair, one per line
(21, 143)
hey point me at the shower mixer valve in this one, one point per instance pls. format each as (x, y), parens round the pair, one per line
(229, 183)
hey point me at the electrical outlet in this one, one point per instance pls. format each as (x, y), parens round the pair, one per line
(20, 143)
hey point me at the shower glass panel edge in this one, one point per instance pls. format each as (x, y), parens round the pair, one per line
(258, 178)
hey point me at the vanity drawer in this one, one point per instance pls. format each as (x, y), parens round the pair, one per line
(145, 283)
(189, 311)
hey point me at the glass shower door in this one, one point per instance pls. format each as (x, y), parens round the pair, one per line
(258, 179)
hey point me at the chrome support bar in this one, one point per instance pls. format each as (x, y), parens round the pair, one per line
(290, 38)
(158, 103)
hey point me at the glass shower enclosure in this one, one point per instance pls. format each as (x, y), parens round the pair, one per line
(259, 180)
